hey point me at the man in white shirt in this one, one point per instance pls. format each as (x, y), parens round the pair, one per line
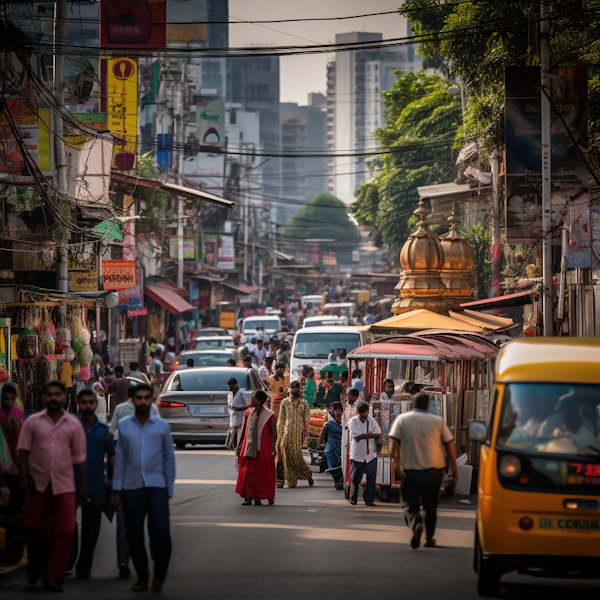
(260, 353)
(421, 436)
(237, 407)
(363, 453)
(266, 370)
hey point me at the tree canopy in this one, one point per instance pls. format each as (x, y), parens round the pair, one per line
(422, 120)
(325, 217)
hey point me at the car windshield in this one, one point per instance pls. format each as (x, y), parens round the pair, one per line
(205, 359)
(206, 380)
(319, 345)
(268, 324)
(216, 343)
(552, 418)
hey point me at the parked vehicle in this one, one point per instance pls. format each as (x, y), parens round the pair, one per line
(211, 331)
(324, 321)
(539, 463)
(194, 402)
(314, 299)
(271, 324)
(215, 341)
(205, 358)
(312, 345)
(346, 309)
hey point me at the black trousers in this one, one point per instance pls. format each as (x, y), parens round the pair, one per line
(91, 519)
(422, 488)
(153, 502)
(357, 469)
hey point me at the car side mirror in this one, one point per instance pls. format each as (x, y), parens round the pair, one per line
(477, 431)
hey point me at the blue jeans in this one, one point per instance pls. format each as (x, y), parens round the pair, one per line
(153, 502)
(91, 518)
(357, 469)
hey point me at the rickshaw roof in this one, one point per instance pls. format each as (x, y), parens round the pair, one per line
(406, 348)
(547, 359)
(481, 347)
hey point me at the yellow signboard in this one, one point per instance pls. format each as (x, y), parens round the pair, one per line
(227, 320)
(84, 281)
(122, 90)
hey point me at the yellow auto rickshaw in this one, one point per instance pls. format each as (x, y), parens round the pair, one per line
(539, 477)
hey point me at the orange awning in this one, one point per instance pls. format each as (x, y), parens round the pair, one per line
(167, 298)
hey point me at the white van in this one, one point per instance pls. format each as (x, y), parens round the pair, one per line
(346, 309)
(324, 321)
(271, 324)
(314, 299)
(312, 345)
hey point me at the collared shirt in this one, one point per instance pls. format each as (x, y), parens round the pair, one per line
(156, 367)
(421, 435)
(260, 355)
(53, 450)
(363, 450)
(236, 417)
(145, 456)
(126, 410)
(264, 373)
(97, 448)
(120, 388)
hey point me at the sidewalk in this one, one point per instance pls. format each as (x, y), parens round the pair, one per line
(13, 573)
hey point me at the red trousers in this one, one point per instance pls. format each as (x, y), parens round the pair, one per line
(50, 522)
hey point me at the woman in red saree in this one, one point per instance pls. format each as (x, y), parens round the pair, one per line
(256, 451)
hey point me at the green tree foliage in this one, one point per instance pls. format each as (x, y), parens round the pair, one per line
(423, 117)
(480, 240)
(479, 39)
(325, 217)
(153, 204)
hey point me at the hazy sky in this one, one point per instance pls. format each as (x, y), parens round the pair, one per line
(303, 74)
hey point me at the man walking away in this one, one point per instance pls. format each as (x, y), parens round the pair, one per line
(135, 372)
(51, 443)
(363, 453)
(421, 436)
(143, 483)
(97, 448)
(120, 388)
(156, 367)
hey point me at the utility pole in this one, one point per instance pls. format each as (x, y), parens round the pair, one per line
(60, 41)
(495, 227)
(245, 211)
(548, 309)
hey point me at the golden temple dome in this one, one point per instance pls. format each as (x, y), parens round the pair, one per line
(421, 257)
(457, 265)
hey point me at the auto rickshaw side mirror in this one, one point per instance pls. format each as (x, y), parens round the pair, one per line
(477, 431)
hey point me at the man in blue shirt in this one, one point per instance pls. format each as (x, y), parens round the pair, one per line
(143, 482)
(97, 449)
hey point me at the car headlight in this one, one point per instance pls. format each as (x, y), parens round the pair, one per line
(510, 466)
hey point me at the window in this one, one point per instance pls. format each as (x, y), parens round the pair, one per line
(233, 117)
(319, 345)
(208, 380)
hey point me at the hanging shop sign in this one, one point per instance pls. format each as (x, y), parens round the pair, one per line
(45, 141)
(118, 274)
(140, 312)
(122, 109)
(133, 296)
(583, 247)
(329, 259)
(210, 123)
(226, 253)
(83, 274)
(133, 23)
(210, 249)
(21, 113)
(524, 149)
(189, 247)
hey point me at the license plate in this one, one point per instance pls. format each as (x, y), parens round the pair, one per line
(570, 524)
(204, 410)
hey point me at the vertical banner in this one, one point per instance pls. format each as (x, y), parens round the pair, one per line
(210, 123)
(524, 147)
(122, 109)
(226, 253)
(133, 23)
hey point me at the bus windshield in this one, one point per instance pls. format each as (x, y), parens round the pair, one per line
(552, 418)
(319, 345)
(268, 324)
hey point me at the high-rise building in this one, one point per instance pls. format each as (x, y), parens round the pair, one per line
(355, 82)
(302, 129)
(254, 84)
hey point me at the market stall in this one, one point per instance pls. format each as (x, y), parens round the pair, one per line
(454, 368)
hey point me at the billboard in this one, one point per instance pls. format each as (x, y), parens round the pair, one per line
(132, 298)
(133, 23)
(210, 123)
(226, 253)
(122, 109)
(189, 247)
(118, 274)
(524, 149)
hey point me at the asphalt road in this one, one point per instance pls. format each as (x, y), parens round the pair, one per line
(310, 544)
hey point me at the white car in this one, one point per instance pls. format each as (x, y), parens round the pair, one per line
(213, 341)
(270, 323)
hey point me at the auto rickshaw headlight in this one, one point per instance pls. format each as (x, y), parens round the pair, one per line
(510, 466)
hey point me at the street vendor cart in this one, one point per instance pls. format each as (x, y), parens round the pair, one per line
(455, 370)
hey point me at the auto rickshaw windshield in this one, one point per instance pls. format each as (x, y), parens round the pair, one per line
(551, 418)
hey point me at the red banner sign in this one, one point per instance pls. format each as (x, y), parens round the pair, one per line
(118, 274)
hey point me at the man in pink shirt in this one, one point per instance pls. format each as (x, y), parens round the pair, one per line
(51, 443)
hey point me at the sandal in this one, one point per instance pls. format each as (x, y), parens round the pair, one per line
(157, 586)
(311, 482)
(247, 502)
(257, 503)
(429, 543)
(140, 586)
(271, 502)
